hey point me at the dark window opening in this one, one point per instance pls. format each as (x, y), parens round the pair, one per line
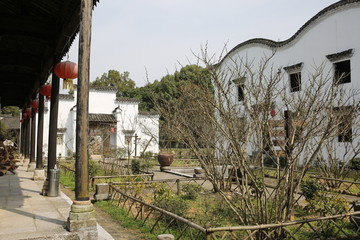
(295, 82)
(342, 72)
(240, 93)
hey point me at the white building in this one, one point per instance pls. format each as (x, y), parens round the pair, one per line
(329, 41)
(114, 123)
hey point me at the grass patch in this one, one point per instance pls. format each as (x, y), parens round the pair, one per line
(67, 180)
(121, 216)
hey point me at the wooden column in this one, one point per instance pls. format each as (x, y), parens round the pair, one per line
(32, 135)
(40, 133)
(54, 106)
(22, 137)
(82, 106)
(27, 138)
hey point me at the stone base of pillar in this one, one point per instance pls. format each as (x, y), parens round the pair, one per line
(45, 187)
(39, 174)
(82, 220)
(31, 167)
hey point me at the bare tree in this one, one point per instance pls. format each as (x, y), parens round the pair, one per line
(233, 131)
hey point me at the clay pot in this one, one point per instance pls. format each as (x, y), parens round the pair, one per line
(165, 160)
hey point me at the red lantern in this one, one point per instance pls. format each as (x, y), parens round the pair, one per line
(24, 116)
(28, 112)
(273, 112)
(45, 90)
(68, 71)
(112, 130)
(35, 103)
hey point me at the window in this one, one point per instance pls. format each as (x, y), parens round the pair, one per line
(240, 88)
(294, 72)
(295, 82)
(60, 139)
(342, 72)
(240, 92)
(344, 123)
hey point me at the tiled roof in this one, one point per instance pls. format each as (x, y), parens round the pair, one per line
(275, 44)
(105, 88)
(66, 97)
(146, 113)
(99, 117)
(100, 88)
(123, 99)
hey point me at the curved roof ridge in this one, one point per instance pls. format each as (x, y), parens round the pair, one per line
(272, 43)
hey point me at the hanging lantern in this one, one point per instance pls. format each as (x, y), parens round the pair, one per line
(34, 103)
(45, 90)
(273, 112)
(28, 112)
(24, 116)
(112, 129)
(67, 71)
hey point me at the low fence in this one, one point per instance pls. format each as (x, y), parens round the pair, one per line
(173, 184)
(342, 186)
(140, 177)
(164, 221)
(67, 170)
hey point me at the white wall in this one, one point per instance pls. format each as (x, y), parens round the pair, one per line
(336, 31)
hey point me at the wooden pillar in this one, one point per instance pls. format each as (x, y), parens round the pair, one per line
(54, 106)
(32, 135)
(40, 133)
(82, 214)
(32, 126)
(21, 142)
(27, 138)
(82, 106)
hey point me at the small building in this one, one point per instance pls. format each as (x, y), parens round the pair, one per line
(116, 126)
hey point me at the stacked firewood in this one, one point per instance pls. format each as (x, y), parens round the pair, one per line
(7, 158)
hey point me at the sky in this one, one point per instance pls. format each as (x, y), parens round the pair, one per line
(153, 38)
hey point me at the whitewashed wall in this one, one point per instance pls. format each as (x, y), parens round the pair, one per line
(335, 31)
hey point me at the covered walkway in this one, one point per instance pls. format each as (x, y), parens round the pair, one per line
(25, 214)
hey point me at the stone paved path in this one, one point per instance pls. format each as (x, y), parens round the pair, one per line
(25, 214)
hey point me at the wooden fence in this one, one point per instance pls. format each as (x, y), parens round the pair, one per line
(165, 222)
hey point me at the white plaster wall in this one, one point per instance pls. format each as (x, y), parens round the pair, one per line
(334, 32)
(149, 133)
(101, 101)
(126, 120)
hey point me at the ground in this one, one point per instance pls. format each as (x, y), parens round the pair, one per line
(114, 228)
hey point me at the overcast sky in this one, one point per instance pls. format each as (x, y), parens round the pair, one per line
(158, 36)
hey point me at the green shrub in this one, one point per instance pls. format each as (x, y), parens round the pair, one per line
(162, 191)
(310, 188)
(271, 161)
(174, 204)
(191, 190)
(355, 164)
(135, 166)
(94, 168)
